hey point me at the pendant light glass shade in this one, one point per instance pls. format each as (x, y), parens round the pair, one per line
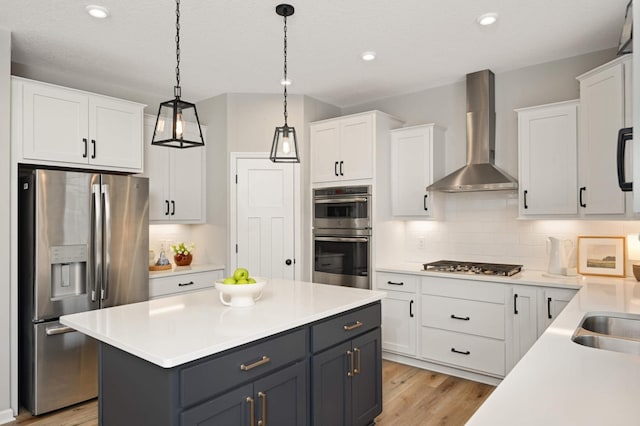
(284, 148)
(177, 124)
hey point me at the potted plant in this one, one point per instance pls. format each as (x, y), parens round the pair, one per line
(182, 254)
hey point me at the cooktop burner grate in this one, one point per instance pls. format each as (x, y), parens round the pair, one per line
(479, 268)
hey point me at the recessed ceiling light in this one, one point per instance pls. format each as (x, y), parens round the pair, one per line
(98, 12)
(368, 56)
(487, 19)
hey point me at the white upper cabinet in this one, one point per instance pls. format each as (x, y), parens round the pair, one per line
(548, 163)
(417, 160)
(54, 125)
(343, 148)
(605, 99)
(176, 180)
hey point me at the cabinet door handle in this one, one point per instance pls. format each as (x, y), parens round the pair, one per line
(263, 420)
(173, 207)
(265, 359)
(460, 352)
(341, 174)
(525, 199)
(549, 307)
(515, 304)
(185, 284)
(335, 168)
(392, 283)
(252, 408)
(86, 148)
(357, 369)
(93, 144)
(166, 213)
(624, 135)
(353, 326)
(424, 202)
(460, 318)
(411, 309)
(584, 188)
(350, 373)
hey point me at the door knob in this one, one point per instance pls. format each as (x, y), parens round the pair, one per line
(288, 262)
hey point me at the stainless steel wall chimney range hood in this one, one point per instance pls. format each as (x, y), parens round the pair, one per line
(480, 173)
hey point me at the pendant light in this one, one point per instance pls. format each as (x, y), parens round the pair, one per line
(177, 120)
(285, 146)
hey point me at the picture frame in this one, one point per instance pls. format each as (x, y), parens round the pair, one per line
(625, 45)
(603, 256)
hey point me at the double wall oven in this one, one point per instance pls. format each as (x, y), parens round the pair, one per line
(342, 236)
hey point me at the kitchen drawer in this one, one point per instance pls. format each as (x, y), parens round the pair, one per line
(396, 282)
(466, 316)
(463, 289)
(343, 327)
(209, 378)
(480, 354)
(172, 284)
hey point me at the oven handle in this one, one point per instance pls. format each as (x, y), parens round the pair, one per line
(344, 239)
(341, 200)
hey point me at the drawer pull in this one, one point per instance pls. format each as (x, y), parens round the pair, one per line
(252, 405)
(460, 318)
(460, 352)
(351, 371)
(357, 369)
(352, 326)
(263, 421)
(265, 359)
(185, 284)
(392, 283)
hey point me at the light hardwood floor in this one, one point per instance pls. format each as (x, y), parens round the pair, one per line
(411, 396)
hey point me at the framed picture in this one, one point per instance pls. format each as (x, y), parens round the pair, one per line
(604, 256)
(625, 45)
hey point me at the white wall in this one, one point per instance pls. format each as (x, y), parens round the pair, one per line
(483, 226)
(6, 355)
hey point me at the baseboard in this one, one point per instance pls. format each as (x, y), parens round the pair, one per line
(438, 368)
(6, 416)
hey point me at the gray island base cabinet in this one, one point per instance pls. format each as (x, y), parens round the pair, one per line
(325, 373)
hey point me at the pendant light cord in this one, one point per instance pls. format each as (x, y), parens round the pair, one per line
(177, 89)
(285, 72)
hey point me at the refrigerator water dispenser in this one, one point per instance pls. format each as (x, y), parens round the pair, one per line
(68, 270)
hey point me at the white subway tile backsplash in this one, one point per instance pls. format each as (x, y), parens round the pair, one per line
(484, 227)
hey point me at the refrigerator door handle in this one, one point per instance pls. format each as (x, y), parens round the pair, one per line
(96, 238)
(59, 329)
(107, 241)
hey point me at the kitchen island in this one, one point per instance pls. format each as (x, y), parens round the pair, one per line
(304, 353)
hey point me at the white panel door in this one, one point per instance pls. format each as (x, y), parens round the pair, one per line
(525, 321)
(187, 168)
(265, 218)
(410, 171)
(399, 323)
(325, 151)
(156, 168)
(356, 145)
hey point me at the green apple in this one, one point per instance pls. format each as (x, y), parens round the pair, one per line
(240, 274)
(251, 280)
(229, 280)
(242, 281)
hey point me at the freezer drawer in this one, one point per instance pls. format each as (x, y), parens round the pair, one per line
(65, 370)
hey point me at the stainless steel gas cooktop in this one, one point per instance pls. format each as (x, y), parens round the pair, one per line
(473, 268)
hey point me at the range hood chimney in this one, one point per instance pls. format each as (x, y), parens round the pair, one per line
(480, 173)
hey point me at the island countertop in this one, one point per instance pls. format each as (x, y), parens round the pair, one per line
(175, 330)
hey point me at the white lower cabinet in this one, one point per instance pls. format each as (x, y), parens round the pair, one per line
(399, 313)
(478, 328)
(171, 283)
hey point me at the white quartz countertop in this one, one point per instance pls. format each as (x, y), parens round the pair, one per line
(525, 277)
(559, 382)
(174, 330)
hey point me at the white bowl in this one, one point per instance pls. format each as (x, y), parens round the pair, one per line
(239, 295)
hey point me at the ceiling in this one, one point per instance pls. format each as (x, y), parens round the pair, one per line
(236, 46)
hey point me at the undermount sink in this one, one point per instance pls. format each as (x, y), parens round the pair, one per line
(614, 332)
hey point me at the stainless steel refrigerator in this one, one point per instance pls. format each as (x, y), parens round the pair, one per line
(83, 244)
